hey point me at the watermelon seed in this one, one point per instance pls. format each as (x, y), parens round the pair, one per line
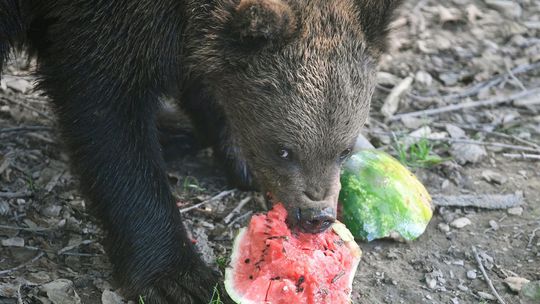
(251, 277)
(301, 280)
(275, 278)
(246, 261)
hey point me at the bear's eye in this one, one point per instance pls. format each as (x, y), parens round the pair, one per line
(284, 153)
(345, 154)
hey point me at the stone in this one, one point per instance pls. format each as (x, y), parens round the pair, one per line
(471, 274)
(423, 78)
(111, 297)
(443, 227)
(486, 296)
(460, 222)
(494, 177)
(508, 8)
(516, 283)
(455, 131)
(467, 153)
(517, 211)
(61, 291)
(13, 242)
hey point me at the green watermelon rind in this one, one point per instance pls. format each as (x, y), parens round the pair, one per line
(380, 197)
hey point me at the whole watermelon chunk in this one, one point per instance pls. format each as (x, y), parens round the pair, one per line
(272, 264)
(381, 198)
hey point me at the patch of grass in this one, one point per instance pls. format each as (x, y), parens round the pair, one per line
(221, 261)
(30, 183)
(418, 155)
(216, 298)
(191, 184)
(141, 300)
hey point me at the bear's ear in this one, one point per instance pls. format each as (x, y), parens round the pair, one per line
(375, 17)
(266, 20)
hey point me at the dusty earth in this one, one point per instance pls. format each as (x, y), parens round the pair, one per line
(442, 53)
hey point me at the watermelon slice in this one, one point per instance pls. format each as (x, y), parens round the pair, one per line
(272, 264)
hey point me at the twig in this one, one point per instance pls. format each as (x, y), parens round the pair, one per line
(15, 194)
(531, 237)
(485, 201)
(37, 229)
(26, 129)
(243, 216)
(479, 86)
(31, 108)
(71, 247)
(516, 80)
(486, 277)
(499, 134)
(465, 105)
(237, 209)
(8, 271)
(466, 141)
(522, 156)
(212, 199)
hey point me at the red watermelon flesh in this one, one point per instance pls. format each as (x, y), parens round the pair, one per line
(271, 264)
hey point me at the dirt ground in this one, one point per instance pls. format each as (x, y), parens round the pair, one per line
(442, 53)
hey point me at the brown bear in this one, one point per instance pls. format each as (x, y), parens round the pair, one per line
(280, 88)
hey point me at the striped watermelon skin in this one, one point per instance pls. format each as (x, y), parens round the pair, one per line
(381, 198)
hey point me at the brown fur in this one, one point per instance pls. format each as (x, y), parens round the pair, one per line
(310, 93)
(257, 77)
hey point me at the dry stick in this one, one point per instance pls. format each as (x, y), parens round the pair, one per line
(516, 80)
(499, 134)
(466, 141)
(237, 209)
(243, 216)
(212, 199)
(26, 129)
(475, 88)
(531, 237)
(465, 105)
(523, 156)
(37, 229)
(486, 277)
(485, 201)
(22, 104)
(8, 271)
(15, 194)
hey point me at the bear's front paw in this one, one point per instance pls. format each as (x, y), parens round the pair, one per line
(199, 286)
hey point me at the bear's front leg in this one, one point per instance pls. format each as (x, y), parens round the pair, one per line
(114, 149)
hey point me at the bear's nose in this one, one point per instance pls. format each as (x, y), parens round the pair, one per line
(316, 220)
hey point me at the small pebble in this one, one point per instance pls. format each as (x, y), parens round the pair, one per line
(494, 225)
(443, 227)
(431, 283)
(462, 287)
(515, 211)
(471, 274)
(486, 296)
(13, 242)
(515, 283)
(460, 222)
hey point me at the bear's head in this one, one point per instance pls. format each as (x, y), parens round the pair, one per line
(295, 79)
